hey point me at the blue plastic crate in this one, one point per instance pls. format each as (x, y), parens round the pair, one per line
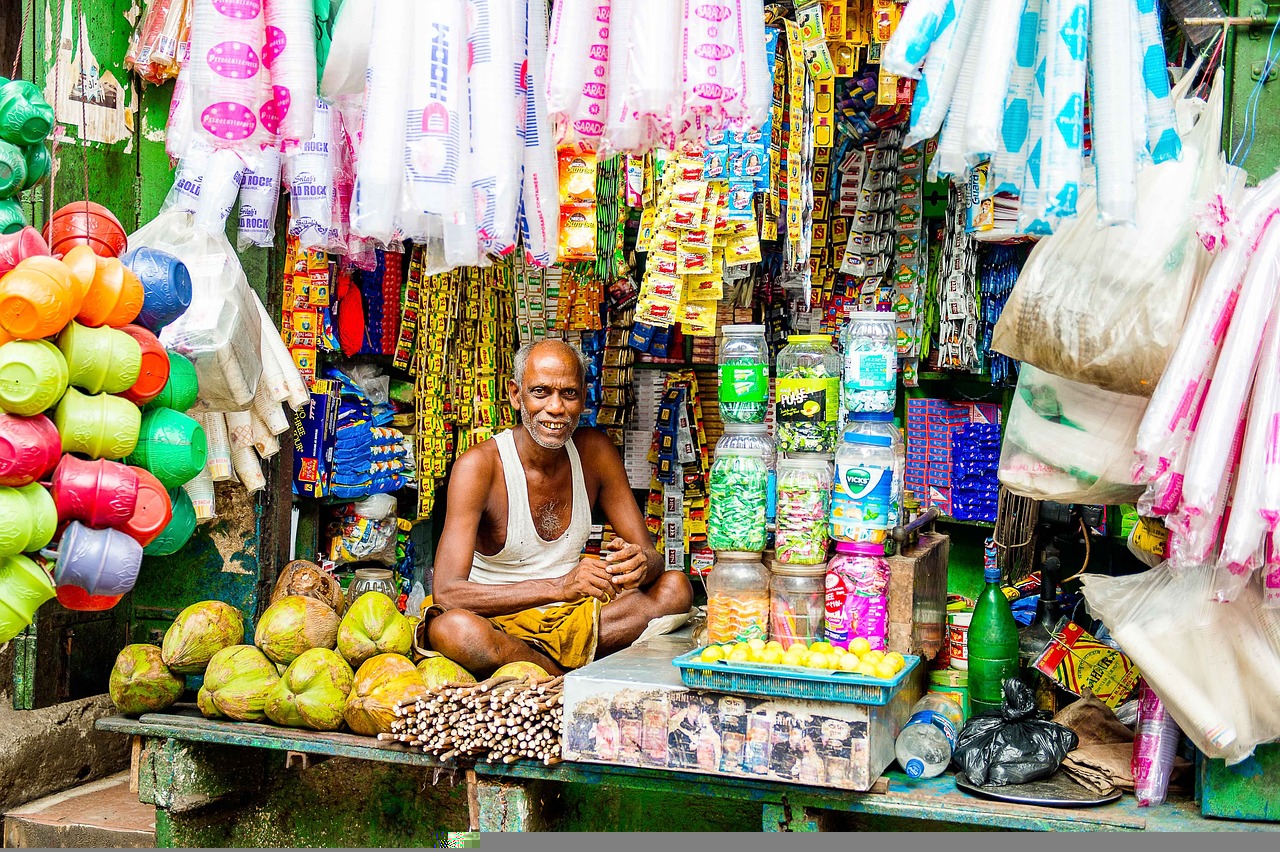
(790, 681)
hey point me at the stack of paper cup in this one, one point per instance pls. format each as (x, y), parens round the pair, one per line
(290, 54)
(308, 175)
(201, 492)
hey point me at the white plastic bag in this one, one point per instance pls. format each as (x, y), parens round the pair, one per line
(349, 44)
(1117, 323)
(1009, 163)
(223, 172)
(992, 69)
(259, 197)
(220, 332)
(1069, 442)
(495, 148)
(949, 160)
(918, 29)
(290, 54)
(229, 83)
(1113, 79)
(309, 177)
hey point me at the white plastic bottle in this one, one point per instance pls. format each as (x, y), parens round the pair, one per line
(925, 744)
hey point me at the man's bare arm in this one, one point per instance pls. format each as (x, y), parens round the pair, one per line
(624, 515)
(469, 484)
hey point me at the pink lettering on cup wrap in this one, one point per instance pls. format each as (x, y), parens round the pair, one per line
(274, 45)
(234, 60)
(713, 12)
(274, 110)
(229, 120)
(241, 10)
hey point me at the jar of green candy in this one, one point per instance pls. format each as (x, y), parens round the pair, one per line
(808, 395)
(870, 362)
(739, 495)
(744, 374)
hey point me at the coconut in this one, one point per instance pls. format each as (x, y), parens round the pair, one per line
(295, 624)
(301, 577)
(204, 701)
(236, 683)
(200, 631)
(522, 670)
(373, 626)
(437, 671)
(312, 693)
(141, 682)
(381, 683)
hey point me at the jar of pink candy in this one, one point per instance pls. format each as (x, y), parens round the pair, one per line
(804, 496)
(857, 599)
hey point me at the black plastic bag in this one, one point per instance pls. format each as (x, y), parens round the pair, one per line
(1012, 745)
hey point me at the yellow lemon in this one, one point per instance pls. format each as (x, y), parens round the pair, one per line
(849, 663)
(756, 644)
(886, 670)
(740, 654)
(712, 654)
(740, 646)
(859, 646)
(800, 645)
(865, 668)
(774, 643)
(821, 647)
(793, 657)
(873, 656)
(899, 661)
(772, 656)
(818, 660)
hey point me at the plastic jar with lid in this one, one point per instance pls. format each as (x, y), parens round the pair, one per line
(881, 423)
(807, 407)
(739, 497)
(797, 603)
(870, 362)
(866, 491)
(755, 436)
(737, 598)
(804, 498)
(744, 374)
(857, 595)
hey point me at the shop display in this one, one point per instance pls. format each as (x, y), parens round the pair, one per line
(857, 597)
(797, 595)
(808, 395)
(738, 605)
(804, 492)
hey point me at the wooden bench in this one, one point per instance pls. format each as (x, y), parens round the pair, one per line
(184, 762)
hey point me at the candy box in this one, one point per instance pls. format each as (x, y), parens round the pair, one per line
(314, 430)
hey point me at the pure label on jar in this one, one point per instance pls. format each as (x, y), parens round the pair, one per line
(862, 498)
(744, 383)
(808, 400)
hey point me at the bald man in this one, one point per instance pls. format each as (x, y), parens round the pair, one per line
(511, 582)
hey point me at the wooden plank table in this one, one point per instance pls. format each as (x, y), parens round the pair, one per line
(784, 806)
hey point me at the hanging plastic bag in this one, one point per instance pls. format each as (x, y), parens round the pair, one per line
(578, 70)
(495, 149)
(1069, 442)
(229, 85)
(1216, 666)
(184, 194)
(220, 332)
(290, 55)
(259, 197)
(949, 160)
(366, 532)
(992, 68)
(153, 47)
(1011, 745)
(917, 30)
(942, 66)
(1112, 80)
(309, 177)
(1117, 324)
(348, 59)
(539, 186)
(1009, 161)
(223, 172)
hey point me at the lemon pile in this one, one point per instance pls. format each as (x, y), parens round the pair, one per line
(858, 658)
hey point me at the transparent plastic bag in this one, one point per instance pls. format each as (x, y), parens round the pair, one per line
(1117, 323)
(220, 333)
(1216, 666)
(153, 47)
(1070, 442)
(366, 532)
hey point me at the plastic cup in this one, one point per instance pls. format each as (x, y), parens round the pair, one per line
(12, 219)
(25, 116)
(102, 562)
(99, 426)
(30, 447)
(172, 446)
(13, 169)
(33, 376)
(181, 390)
(36, 298)
(100, 493)
(28, 519)
(153, 512)
(166, 285)
(201, 493)
(115, 297)
(18, 246)
(39, 164)
(180, 528)
(76, 598)
(154, 373)
(100, 359)
(85, 223)
(24, 586)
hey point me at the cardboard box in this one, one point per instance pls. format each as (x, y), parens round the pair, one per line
(632, 709)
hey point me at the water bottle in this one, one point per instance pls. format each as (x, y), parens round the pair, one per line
(993, 640)
(925, 745)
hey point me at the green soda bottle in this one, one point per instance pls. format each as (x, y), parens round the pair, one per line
(993, 640)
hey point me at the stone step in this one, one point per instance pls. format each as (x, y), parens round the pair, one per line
(100, 814)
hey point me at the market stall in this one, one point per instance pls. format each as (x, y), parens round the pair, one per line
(807, 262)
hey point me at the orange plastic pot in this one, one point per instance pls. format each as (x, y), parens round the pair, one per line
(114, 298)
(85, 223)
(36, 299)
(155, 366)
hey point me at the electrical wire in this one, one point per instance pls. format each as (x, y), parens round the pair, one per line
(1250, 130)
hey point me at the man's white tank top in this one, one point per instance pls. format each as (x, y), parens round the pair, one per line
(526, 555)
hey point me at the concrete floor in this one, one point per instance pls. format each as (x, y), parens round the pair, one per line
(99, 814)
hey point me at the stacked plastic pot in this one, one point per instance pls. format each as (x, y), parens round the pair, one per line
(26, 120)
(94, 447)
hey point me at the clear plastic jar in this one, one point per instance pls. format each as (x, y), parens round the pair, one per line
(807, 407)
(755, 436)
(737, 598)
(881, 423)
(739, 497)
(857, 595)
(372, 580)
(797, 603)
(804, 497)
(870, 362)
(867, 492)
(744, 374)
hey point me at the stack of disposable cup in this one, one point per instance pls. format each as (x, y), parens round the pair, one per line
(269, 412)
(264, 442)
(223, 173)
(201, 492)
(278, 366)
(228, 79)
(219, 457)
(244, 456)
(259, 197)
(290, 54)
